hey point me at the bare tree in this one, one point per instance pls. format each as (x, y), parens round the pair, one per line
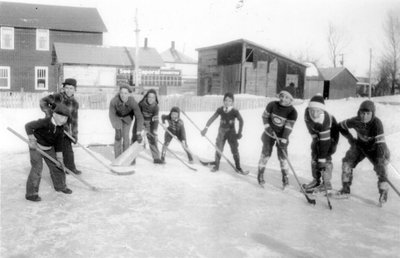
(336, 44)
(390, 63)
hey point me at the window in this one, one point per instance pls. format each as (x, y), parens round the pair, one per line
(4, 77)
(7, 38)
(42, 39)
(41, 78)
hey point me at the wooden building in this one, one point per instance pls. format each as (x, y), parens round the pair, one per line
(332, 83)
(28, 34)
(242, 66)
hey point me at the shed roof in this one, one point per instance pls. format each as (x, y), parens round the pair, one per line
(250, 43)
(331, 72)
(105, 55)
(172, 55)
(51, 17)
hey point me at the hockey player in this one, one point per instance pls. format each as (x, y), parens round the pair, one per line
(47, 135)
(370, 144)
(325, 135)
(177, 128)
(149, 108)
(66, 96)
(123, 108)
(227, 131)
(278, 118)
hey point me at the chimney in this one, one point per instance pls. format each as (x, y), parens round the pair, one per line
(173, 45)
(145, 42)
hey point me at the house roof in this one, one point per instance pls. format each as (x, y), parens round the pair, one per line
(172, 55)
(250, 43)
(331, 72)
(67, 53)
(51, 17)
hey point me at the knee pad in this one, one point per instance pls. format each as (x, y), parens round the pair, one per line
(284, 164)
(347, 172)
(263, 161)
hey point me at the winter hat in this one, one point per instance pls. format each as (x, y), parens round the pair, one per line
(69, 81)
(229, 95)
(147, 94)
(62, 109)
(317, 101)
(367, 105)
(286, 93)
(176, 110)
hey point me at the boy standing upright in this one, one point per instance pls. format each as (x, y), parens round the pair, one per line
(227, 131)
(370, 144)
(47, 135)
(325, 135)
(278, 119)
(66, 97)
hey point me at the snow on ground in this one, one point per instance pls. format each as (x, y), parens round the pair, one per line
(171, 211)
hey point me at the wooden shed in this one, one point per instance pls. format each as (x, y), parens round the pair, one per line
(242, 66)
(332, 83)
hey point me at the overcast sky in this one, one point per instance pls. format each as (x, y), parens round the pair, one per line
(292, 27)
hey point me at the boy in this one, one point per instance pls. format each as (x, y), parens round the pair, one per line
(227, 131)
(47, 135)
(278, 118)
(325, 135)
(121, 112)
(149, 108)
(67, 98)
(370, 143)
(177, 128)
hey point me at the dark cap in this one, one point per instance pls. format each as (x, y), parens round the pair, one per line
(69, 81)
(229, 95)
(62, 109)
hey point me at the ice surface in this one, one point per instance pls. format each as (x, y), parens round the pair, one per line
(171, 211)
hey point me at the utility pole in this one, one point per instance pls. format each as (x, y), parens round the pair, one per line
(369, 73)
(137, 70)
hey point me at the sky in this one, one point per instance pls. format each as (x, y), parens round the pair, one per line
(290, 27)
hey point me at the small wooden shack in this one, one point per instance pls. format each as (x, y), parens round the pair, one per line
(242, 66)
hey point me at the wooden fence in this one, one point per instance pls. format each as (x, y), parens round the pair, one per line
(101, 101)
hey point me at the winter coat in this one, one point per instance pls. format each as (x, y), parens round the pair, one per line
(123, 112)
(227, 119)
(46, 133)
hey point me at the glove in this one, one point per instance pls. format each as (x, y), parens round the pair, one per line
(283, 142)
(239, 136)
(32, 142)
(204, 131)
(118, 134)
(383, 151)
(139, 138)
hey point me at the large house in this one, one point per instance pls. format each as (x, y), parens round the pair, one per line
(28, 34)
(242, 66)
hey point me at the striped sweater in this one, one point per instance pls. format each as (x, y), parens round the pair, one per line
(279, 119)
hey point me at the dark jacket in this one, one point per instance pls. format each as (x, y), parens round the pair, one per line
(46, 133)
(325, 135)
(48, 103)
(280, 119)
(227, 119)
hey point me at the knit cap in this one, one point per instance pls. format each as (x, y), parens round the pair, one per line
(317, 101)
(62, 109)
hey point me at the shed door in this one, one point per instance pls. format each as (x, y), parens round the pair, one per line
(326, 89)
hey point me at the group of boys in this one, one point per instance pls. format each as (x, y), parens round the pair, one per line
(55, 133)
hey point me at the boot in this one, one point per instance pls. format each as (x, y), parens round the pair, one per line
(214, 168)
(77, 172)
(33, 198)
(285, 181)
(345, 191)
(163, 153)
(313, 184)
(217, 160)
(321, 188)
(66, 190)
(260, 176)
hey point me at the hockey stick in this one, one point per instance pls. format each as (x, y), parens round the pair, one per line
(309, 200)
(53, 160)
(173, 153)
(96, 158)
(394, 188)
(215, 147)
